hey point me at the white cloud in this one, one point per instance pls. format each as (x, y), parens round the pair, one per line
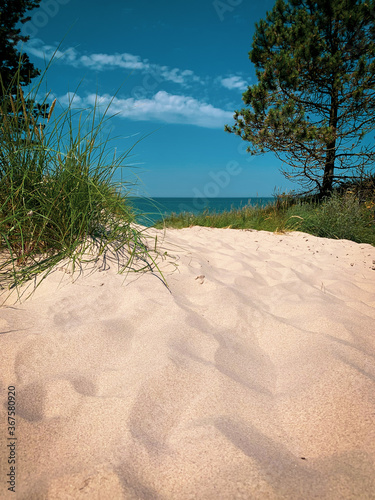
(154, 73)
(70, 99)
(163, 107)
(108, 61)
(234, 82)
(102, 62)
(46, 52)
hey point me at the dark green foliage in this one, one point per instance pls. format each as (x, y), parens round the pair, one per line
(12, 61)
(16, 70)
(314, 101)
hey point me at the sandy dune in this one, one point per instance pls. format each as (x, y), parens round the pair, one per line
(252, 376)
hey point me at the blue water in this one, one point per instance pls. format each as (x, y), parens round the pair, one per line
(153, 209)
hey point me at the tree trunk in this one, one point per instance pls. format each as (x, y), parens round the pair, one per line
(326, 188)
(327, 185)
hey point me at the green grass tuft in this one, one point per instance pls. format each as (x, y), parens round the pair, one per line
(58, 197)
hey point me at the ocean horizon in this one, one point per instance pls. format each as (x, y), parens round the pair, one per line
(151, 210)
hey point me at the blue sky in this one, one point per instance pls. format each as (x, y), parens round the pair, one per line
(177, 70)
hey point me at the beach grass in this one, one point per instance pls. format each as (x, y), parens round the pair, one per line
(58, 196)
(347, 214)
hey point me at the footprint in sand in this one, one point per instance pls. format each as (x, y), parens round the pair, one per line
(46, 400)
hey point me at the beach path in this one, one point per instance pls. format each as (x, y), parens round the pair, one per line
(252, 375)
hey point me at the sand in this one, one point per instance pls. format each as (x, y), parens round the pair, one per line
(252, 376)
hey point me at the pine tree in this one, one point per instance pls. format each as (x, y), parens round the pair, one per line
(12, 60)
(313, 105)
(16, 70)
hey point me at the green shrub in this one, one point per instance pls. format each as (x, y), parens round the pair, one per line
(342, 216)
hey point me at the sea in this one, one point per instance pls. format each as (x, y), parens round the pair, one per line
(151, 210)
